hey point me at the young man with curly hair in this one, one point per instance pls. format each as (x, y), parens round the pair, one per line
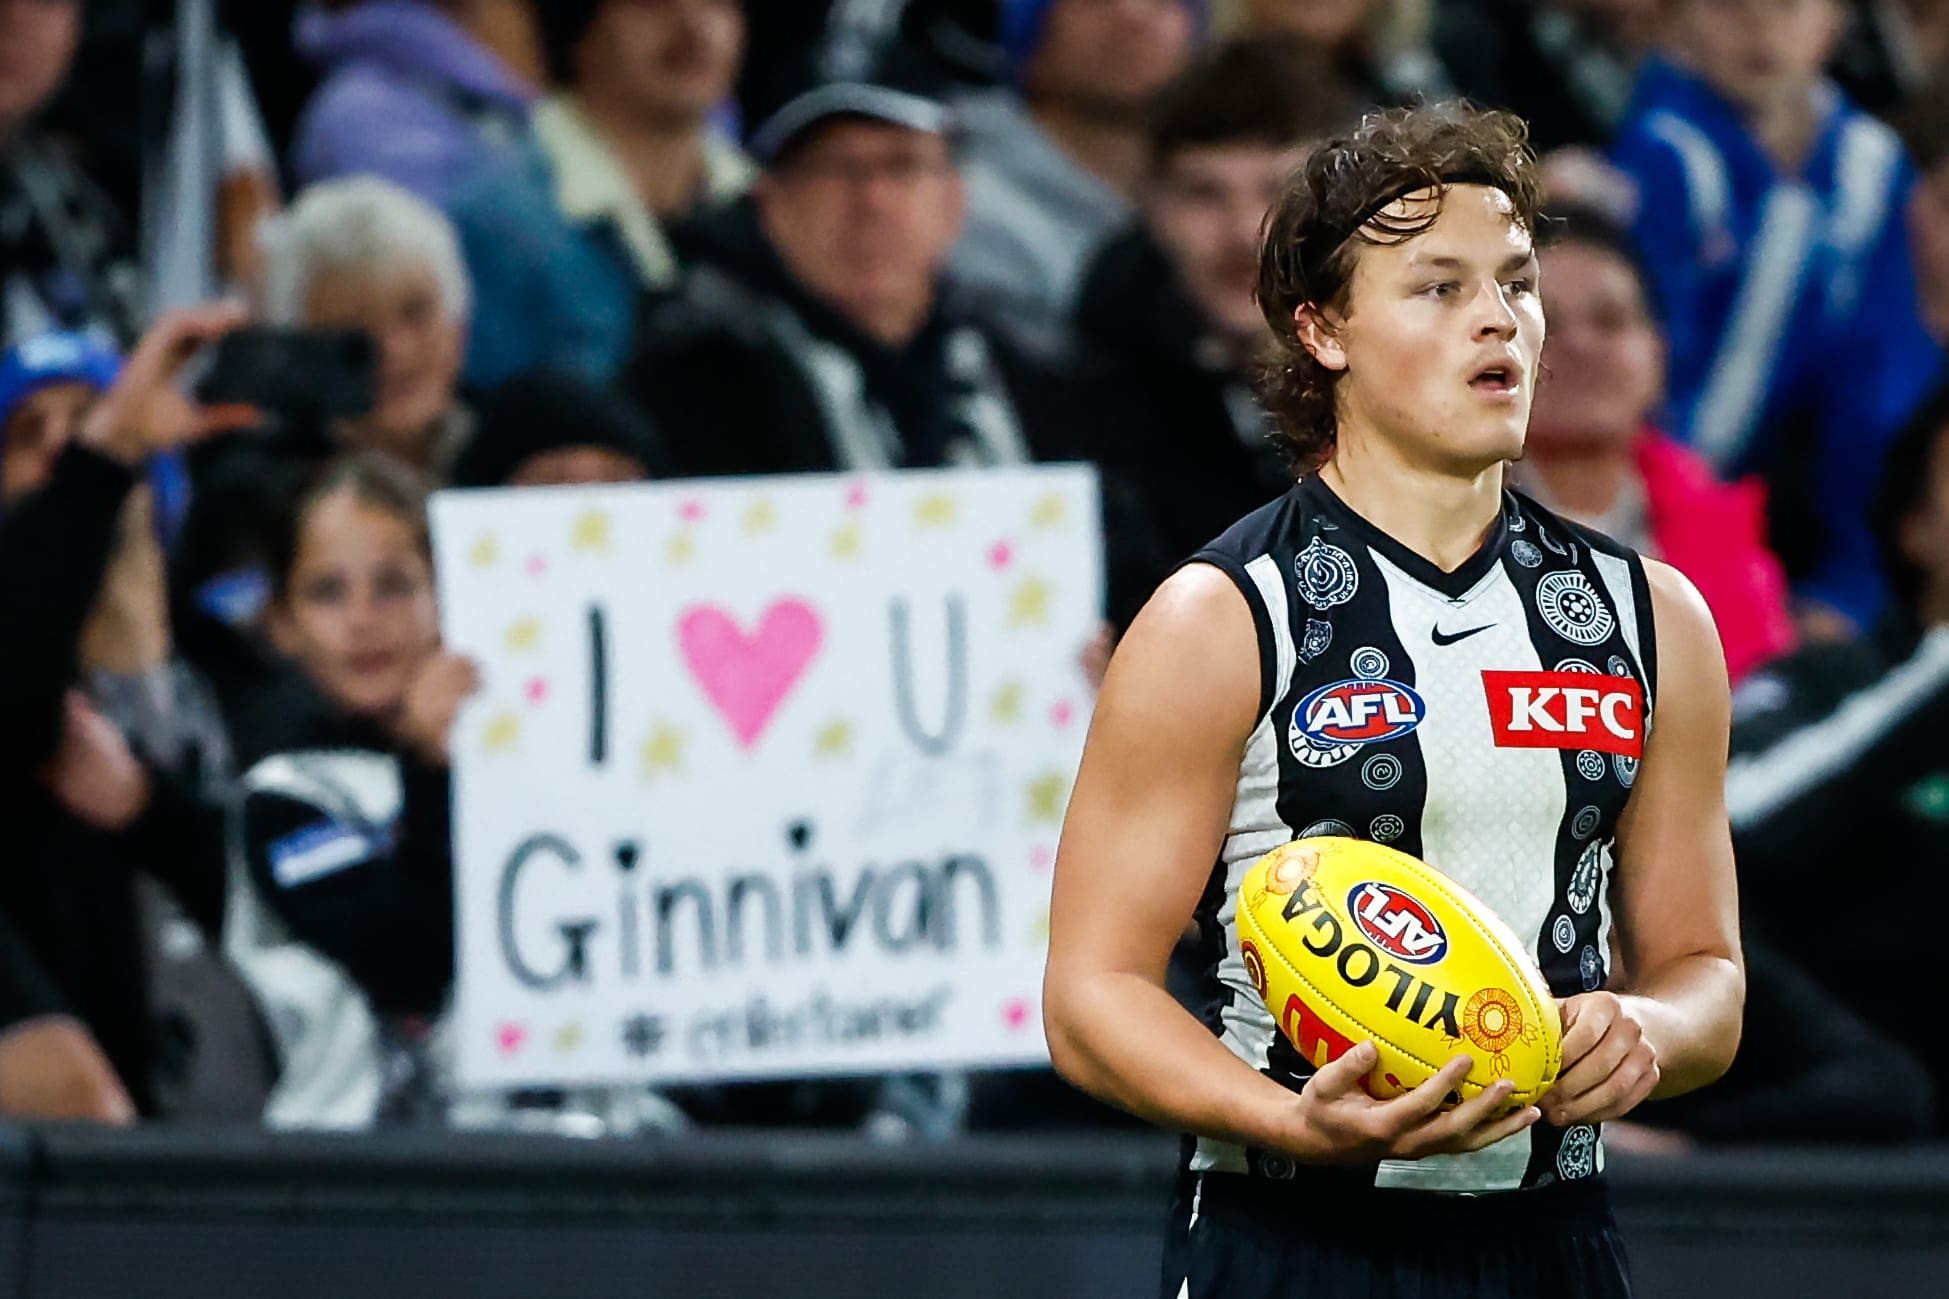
(1399, 282)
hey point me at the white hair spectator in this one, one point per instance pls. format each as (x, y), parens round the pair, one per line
(360, 225)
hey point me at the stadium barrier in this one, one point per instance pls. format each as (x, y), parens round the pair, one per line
(171, 1213)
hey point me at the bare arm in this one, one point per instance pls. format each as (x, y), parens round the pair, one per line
(1150, 811)
(1675, 1025)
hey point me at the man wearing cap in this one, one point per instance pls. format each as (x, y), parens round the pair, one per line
(1054, 161)
(816, 332)
(562, 239)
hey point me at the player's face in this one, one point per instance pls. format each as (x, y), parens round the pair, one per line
(1205, 208)
(358, 613)
(1440, 340)
(1604, 364)
(1758, 52)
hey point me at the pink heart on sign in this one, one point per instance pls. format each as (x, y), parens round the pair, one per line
(1041, 857)
(1016, 1014)
(537, 691)
(510, 1038)
(747, 677)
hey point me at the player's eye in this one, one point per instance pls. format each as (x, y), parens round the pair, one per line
(1442, 289)
(1520, 286)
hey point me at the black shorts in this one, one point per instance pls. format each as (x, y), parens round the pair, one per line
(1254, 1239)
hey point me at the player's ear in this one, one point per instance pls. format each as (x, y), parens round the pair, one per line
(1319, 336)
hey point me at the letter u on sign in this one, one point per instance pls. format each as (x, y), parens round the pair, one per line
(1566, 710)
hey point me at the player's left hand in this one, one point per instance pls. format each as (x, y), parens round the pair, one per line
(1609, 1066)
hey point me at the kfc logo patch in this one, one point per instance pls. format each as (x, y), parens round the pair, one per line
(1566, 710)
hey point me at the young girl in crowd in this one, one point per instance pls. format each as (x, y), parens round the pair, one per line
(343, 922)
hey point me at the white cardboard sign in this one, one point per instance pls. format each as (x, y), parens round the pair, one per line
(766, 775)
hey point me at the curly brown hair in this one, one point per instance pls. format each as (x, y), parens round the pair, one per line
(1334, 204)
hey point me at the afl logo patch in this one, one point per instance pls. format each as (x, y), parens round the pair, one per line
(1573, 609)
(1357, 711)
(1396, 922)
(1326, 575)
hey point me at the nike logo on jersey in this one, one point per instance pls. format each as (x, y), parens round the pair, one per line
(1442, 639)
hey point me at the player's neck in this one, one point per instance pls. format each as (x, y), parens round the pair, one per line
(1440, 516)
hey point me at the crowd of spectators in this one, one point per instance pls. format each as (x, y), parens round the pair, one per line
(603, 241)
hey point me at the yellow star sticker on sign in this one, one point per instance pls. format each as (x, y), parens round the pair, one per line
(524, 635)
(663, 751)
(485, 552)
(934, 511)
(1049, 512)
(846, 541)
(835, 740)
(1029, 605)
(1046, 794)
(569, 1036)
(762, 516)
(1039, 929)
(680, 549)
(591, 532)
(502, 732)
(1006, 706)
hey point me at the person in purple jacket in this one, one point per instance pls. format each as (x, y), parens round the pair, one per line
(422, 92)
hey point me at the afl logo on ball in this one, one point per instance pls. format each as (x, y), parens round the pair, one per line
(1358, 711)
(1397, 923)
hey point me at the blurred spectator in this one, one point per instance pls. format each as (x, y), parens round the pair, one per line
(1052, 168)
(422, 92)
(1892, 50)
(1595, 454)
(68, 256)
(1564, 66)
(344, 928)
(1381, 47)
(357, 253)
(563, 239)
(545, 430)
(80, 813)
(1839, 773)
(1168, 302)
(1771, 216)
(364, 254)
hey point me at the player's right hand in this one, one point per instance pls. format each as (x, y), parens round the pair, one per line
(1341, 1123)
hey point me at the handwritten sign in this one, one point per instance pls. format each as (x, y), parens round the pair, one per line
(766, 775)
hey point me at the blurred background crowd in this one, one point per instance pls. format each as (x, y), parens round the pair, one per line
(597, 241)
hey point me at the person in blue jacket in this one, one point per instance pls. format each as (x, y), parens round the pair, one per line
(1771, 211)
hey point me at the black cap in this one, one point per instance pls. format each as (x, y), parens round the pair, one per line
(855, 99)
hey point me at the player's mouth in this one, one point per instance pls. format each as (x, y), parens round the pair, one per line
(1498, 380)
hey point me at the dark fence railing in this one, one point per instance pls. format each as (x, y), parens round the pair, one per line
(174, 1214)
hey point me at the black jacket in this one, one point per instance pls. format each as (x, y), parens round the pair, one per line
(66, 888)
(745, 372)
(1188, 432)
(348, 841)
(1538, 61)
(1839, 799)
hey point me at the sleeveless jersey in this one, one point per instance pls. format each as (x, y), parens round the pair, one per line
(1488, 721)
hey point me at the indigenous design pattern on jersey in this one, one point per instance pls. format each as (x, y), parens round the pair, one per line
(1489, 721)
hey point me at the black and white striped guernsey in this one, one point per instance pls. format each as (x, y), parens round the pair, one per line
(1489, 721)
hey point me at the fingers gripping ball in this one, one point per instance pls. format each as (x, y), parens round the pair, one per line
(1349, 941)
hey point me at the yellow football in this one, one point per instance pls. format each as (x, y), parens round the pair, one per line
(1349, 941)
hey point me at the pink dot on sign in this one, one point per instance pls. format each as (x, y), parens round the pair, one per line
(537, 565)
(691, 511)
(1042, 857)
(1061, 713)
(537, 691)
(509, 1038)
(856, 496)
(1016, 1014)
(1000, 555)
